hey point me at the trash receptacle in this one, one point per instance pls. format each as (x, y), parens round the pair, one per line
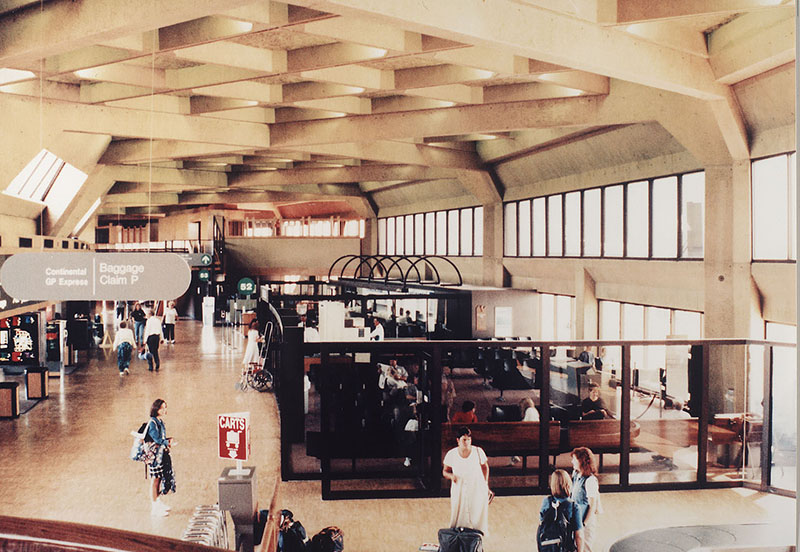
(37, 382)
(238, 495)
(9, 399)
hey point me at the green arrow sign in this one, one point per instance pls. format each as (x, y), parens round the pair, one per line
(205, 259)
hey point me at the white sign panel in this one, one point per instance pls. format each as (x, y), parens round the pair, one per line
(94, 276)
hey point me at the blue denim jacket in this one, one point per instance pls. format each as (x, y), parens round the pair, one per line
(157, 431)
(579, 493)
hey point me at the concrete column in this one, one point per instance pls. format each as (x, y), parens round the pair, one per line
(493, 244)
(369, 244)
(732, 301)
(585, 305)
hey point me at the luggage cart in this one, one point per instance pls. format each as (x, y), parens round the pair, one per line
(207, 526)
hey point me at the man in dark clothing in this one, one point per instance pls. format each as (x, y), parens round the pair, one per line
(293, 535)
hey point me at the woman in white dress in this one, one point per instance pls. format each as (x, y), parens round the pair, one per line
(251, 352)
(467, 468)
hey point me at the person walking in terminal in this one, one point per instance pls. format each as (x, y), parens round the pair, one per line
(253, 337)
(467, 414)
(377, 330)
(119, 309)
(154, 335)
(559, 500)
(170, 318)
(162, 478)
(124, 342)
(138, 316)
(467, 467)
(586, 493)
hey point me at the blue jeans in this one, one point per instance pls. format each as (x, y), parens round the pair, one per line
(138, 331)
(124, 355)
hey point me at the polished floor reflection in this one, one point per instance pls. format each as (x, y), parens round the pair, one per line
(67, 459)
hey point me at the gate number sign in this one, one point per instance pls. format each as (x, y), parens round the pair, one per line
(233, 435)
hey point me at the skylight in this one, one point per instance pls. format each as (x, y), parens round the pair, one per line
(47, 174)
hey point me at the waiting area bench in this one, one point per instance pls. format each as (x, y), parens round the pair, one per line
(360, 445)
(504, 438)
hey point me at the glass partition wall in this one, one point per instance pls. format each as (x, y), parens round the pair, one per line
(374, 419)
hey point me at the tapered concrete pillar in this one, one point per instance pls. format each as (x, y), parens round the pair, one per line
(369, 244)
(585, 305)
(732, 301)
(493, 244)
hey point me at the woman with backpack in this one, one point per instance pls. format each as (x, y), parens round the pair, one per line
(560, 523)
(586, 492)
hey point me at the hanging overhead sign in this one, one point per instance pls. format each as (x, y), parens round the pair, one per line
(94, 276)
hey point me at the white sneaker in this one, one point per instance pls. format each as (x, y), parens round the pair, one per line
(407, 462)
(127, 372)
(121, 374)
(157, 509)
(164, 504)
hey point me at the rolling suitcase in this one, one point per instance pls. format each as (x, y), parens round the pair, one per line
(460, 539)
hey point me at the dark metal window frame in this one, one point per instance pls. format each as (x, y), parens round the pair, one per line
(436, 353)
(427, 232)
(603, 216)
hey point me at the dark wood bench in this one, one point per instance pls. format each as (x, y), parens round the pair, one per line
(505, 438)
(601, 436)
(358, 445)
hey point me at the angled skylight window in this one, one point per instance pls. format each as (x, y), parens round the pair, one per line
(47, 174)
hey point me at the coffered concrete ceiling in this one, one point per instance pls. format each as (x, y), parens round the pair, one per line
(355, 105)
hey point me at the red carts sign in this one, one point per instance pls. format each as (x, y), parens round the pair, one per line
(233, 435)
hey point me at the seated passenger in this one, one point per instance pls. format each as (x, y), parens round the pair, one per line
(529, 414)
(392, 375)
(592, 407)
(412, 391)
(528, 409)
(406, 318)
(467, 414)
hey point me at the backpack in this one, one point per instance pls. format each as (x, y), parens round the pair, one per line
(555, 532)
(330, 539)
(139, 451)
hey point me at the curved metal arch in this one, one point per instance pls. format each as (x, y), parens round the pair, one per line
(403, 275)
(365, 259)
(432, 267)
(451, 263)
(424, 258)
(330, 270)
(395, 261)
(359, 258)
